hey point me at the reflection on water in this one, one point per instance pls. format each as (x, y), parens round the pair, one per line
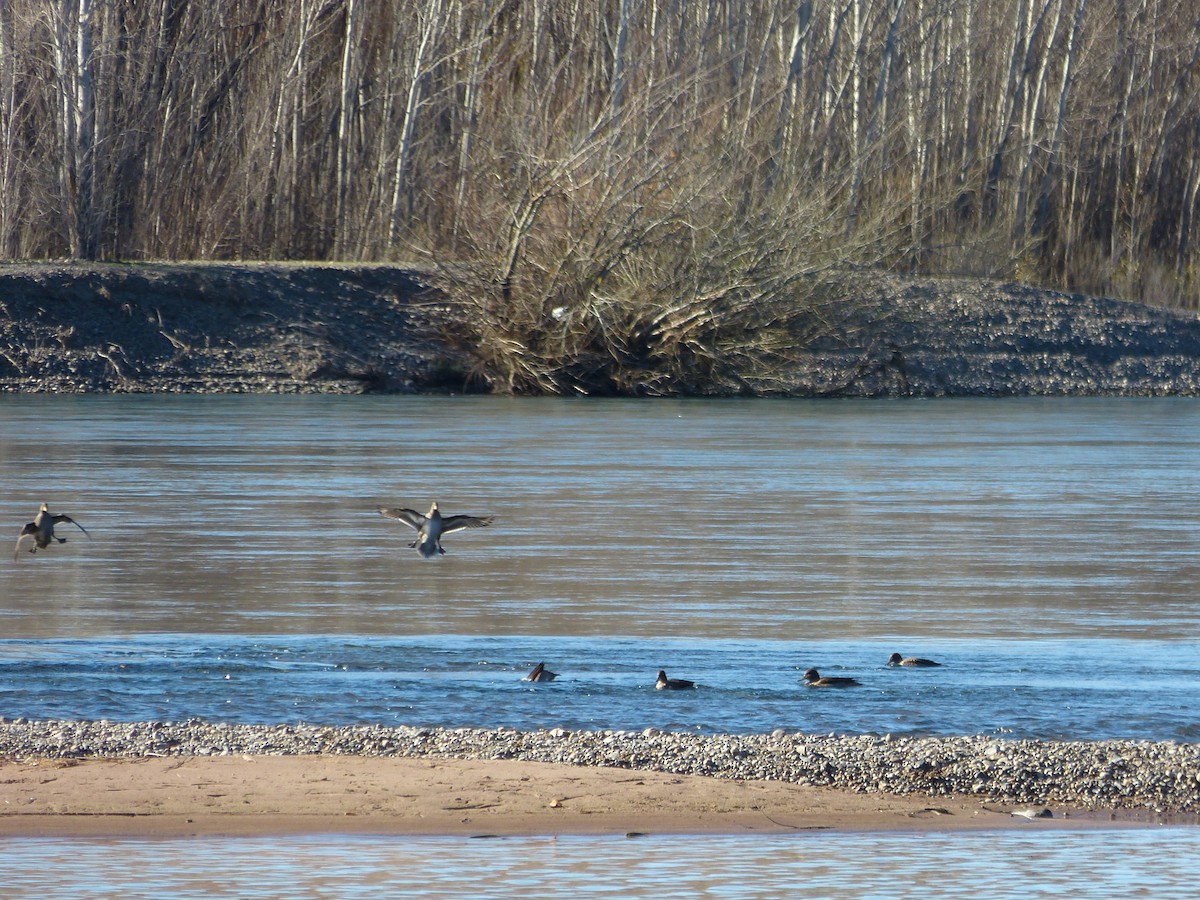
(1155, 863)
(704, 519)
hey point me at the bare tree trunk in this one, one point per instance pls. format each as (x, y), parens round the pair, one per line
(72, 37)
(1185, 252)
(469, 111)
(1041, 223)
(1120, 118)
(9, 152)
(87, 138)
(617, 89)
(918, 103)
(430, 26)
(800, 37)
(969, 142)
(348, 95)
(879, 113)
(1008, 101)
(282, 193)
(1031, 117)
(856, 78)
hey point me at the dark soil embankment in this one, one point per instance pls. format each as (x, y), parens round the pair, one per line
(212, 327)
(969, 337)
(217, 328)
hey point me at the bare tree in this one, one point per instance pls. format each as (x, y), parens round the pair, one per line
(1047, 139)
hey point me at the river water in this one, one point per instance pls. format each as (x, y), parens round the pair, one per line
(1044, 550)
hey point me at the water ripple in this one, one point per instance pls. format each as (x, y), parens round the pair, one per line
(1049, 690)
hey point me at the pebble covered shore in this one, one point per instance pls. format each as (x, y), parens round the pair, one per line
(282, 327)
(1158, 776)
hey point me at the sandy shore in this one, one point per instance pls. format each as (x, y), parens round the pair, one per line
(248, 795)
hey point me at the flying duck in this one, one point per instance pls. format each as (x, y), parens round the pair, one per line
(541, 673)
(813, 678)
(915, 661)
(672, 684)
(431, 526)
(41, 529)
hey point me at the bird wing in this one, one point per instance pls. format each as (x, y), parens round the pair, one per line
(409, 517)
(61, 518)
(458, 523)
(29, 529)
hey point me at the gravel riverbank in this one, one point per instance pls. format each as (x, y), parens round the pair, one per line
(204, 328)
(1157, 776)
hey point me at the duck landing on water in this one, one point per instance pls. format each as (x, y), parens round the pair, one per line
(41, 529)
(431, 526)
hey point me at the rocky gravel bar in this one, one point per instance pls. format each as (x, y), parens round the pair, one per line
(278, 327)
(1116, 774)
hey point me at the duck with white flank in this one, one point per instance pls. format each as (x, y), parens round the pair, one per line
(41, 529)
(672, 684)
(541, 673)
(916, 662)
(431, 526)
(813, 678)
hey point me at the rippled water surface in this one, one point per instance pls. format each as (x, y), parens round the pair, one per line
(1044, 550)
(1011, 864)
(1089, 689)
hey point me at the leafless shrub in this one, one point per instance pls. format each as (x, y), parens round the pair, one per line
(655, 267)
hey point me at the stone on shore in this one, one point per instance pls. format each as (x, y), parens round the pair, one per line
(1115, 774)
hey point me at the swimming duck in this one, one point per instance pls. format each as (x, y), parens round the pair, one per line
(915, 661)
(41, 529)
(813, 678)
(541, 673)
(431, 526)
(672, 684)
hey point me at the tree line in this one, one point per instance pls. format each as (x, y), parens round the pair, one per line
(555, 159)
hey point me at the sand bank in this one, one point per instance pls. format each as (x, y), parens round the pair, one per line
(250, 795)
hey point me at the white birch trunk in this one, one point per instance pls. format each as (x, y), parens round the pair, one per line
(348, 93)
(430, 26)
